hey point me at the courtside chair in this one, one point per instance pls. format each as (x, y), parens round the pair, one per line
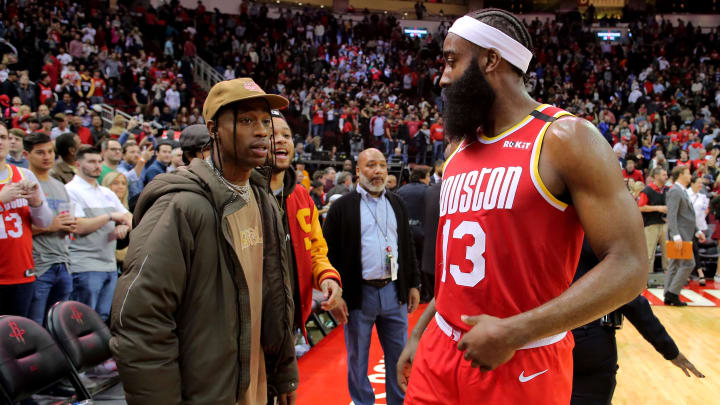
(318, 298)
(84, 338)
(30, 361)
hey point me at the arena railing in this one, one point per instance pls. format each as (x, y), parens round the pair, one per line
(204, 74)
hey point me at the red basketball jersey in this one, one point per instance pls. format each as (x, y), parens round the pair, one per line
(505, 244)
(15, 236)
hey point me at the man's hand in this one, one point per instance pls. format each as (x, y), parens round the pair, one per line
(489, 343)
(404, 364)
(662, 209)
(120, 231)
(340, 312)
(63, 222)
(684, 364)
(118, 218)
(701, 237)
(11, 192)
(287, 399)
(332, 292)
(413, 300)
(132, 124)
(32, 192)
(678, 245)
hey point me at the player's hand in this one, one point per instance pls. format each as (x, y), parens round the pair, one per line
(10, 192)
(413, 300)
(340, 312)
(662, 209)
(684, 364)
(332, 292)
(287, 399)
(701, 237)
(488, 344)
(404, 364)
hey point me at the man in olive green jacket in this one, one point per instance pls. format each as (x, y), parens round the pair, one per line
(181, 319)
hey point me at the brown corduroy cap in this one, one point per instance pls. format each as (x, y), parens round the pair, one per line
(231, 91)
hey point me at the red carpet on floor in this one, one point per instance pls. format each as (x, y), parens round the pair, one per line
(323, 370)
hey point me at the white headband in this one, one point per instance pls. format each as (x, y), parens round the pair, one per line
(486, 36)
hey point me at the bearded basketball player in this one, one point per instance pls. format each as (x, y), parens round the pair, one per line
(526, 182)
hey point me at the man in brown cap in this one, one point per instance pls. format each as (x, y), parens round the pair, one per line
(203, 312)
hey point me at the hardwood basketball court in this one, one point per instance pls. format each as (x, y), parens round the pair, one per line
(644, 377)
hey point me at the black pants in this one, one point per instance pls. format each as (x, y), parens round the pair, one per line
(15, 299)
(595, 366)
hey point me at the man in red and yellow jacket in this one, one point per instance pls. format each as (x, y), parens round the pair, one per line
(313, 269)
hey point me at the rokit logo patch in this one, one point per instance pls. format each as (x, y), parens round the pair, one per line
(517, 145)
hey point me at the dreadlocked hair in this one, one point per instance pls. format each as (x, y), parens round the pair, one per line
(508, 24)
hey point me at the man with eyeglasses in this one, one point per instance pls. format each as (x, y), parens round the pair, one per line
(112, 156)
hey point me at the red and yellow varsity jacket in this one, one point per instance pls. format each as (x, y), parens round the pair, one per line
(309, 247)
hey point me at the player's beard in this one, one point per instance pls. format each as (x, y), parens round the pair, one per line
(365, 182)
(467, 104)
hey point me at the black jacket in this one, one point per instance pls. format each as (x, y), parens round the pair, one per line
(342, 233)
(413, 195)
(432, 219)
(637, 311)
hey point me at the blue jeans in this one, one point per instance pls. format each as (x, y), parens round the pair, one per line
(380, 307)
(318, 130)
(95, 289)
(53, 286)
(386, 144)
(437, 151)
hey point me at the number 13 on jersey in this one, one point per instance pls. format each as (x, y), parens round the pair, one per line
(473, 253)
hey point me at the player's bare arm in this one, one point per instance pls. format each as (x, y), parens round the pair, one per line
(575, 160)
(408, 354)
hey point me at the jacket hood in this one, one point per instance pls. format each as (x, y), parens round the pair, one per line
(197, 178)
(290, 181)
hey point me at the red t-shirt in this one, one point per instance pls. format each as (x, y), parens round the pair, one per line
(413, 127)
(635, 175)
(99, 87)
(318, 115)
(85, 136)
(437, 132)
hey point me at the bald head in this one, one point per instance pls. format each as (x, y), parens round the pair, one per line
(369, 154)
(372, 171)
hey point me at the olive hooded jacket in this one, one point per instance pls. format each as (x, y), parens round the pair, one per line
(181, 311)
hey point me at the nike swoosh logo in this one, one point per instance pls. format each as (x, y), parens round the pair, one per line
(523, 378)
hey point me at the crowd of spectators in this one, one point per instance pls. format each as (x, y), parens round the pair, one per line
(352, 84)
